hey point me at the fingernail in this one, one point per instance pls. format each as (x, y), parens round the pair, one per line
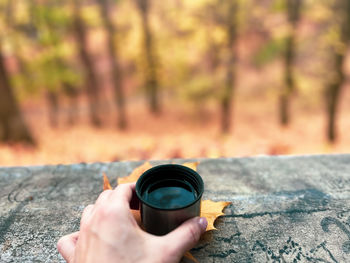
(202, 221)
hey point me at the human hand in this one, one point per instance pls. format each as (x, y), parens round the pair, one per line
(110, 233)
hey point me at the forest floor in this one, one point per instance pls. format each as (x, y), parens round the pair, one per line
(179, 132)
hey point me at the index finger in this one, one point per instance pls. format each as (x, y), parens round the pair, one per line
(123, 193)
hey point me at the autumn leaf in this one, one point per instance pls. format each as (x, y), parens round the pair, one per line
(106, 184)
(211, 211)
(135, 174)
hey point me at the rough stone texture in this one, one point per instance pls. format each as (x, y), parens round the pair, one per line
(284, 209)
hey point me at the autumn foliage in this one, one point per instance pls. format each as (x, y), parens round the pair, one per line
(90, 81)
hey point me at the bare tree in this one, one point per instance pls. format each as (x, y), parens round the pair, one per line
(151, 62)
(231, 30)
(338, 77)
(52, 99)
(293, 15)
(113, 58)
(72, 93)
(91, 80)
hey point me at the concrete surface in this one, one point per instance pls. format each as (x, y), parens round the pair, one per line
(284, 209)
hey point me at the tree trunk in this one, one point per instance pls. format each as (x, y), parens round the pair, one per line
(335, 85)
(332, 98)
(52, 99)
(12, 125)
(226, 102)
(90, 72)
(72, 94)
(151, 63)
(293, 13)
(113, 58)
(289, 80)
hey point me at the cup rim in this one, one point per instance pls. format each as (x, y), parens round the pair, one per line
(170, 166)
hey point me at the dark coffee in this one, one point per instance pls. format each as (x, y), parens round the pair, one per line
(170, 194)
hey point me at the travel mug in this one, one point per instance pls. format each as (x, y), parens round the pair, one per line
(169, 195)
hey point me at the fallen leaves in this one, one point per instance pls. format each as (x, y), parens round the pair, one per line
(209, 209)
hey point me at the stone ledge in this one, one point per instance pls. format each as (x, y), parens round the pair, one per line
(284, 208)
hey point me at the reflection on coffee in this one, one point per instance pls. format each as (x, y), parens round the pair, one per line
(171, 197)
(169, 194)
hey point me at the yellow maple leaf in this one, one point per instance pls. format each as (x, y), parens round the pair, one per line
(211, 211)
(136, 173)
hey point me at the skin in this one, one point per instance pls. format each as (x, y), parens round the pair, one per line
(110, 233)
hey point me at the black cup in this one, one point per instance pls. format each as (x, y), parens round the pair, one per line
(169, 195)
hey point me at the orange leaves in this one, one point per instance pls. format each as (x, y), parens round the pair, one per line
(135, 174)
(211, 211)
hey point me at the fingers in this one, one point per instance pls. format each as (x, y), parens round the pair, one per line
(123, 193)
(185, 236)
(109, 204)
(66, 246)
(104, 196)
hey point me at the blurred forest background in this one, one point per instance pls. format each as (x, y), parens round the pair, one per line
(110, 80)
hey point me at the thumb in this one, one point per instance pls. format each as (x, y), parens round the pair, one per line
(186, 236)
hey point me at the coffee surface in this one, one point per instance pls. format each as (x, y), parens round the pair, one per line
(170, 197)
